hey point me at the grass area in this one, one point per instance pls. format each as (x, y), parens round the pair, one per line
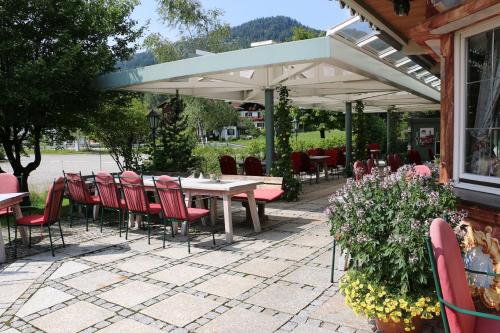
(307, 138)
(67, 151)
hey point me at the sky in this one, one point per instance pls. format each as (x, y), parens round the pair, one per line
(318, 14)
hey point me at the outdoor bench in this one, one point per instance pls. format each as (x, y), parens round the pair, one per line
(270, 190)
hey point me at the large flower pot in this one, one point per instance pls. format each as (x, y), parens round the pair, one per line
(392, 327)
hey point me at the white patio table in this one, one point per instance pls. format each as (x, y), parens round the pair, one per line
(12, 200)
(224, 189)
(318, 160)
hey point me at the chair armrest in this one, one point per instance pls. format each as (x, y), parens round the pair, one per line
(482, 273)
(469, 312)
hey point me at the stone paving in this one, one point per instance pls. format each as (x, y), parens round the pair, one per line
(274, 281)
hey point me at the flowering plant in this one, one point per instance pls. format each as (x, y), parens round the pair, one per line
(382, 221)
(375, 301)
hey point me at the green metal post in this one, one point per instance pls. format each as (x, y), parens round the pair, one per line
(348, 138)
(269, 123)
(388, 126)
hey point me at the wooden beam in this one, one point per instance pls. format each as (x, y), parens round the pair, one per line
(447, 108)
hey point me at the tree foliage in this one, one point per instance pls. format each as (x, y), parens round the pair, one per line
(50, 53)
(282, 167)
(301, 33)
(177, 144)
(121, 126)
(360, 131)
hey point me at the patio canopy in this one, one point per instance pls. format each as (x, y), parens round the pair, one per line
(323, 72)
(327, 72)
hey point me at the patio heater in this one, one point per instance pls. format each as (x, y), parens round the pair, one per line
(154, 122)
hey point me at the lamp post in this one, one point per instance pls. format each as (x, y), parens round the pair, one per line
(154, 122)
(295, 122)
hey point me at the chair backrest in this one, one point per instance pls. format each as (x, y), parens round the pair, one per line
(452, 279)
(370, 165)
(253, 166)
(169, 191)
(305, 162)
(341, 154)
(77, 189)
(53, 202)
(8, 183)
(414, 157)
(394, 162)
(359, 170)
(296, 159)
(431, 154)
(333, 157)
(133, 193)
(107, 190)
(228, 165)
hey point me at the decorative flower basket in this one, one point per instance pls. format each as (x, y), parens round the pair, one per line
(382, 222)
(389, 326)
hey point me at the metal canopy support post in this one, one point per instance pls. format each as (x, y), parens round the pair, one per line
(348, 137)
(269, 123)
(388, 126)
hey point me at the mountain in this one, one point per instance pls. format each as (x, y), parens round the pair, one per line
(277, 28)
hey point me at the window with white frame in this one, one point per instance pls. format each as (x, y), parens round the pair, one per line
(478, 108)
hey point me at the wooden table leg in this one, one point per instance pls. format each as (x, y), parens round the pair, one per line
(317, 172)
(213, 210)
(228, 218)
(22, 230)
(325, 166)
(253, 211)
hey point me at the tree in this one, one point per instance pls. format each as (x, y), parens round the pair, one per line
(301, 33)
(219, 114)
(282, 167)
(360, 131)
(50, 53)
(175, 151)
(121, 126)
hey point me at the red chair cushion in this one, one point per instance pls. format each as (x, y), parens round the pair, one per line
(31, 220)
(5, 212)
(154, 208)
(95, 200)
(484, 325)
(262, 194)
(196, 213)
(452, 277)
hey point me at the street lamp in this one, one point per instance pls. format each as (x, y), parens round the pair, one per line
(154, 122)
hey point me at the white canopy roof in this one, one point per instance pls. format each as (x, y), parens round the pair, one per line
(323, 72)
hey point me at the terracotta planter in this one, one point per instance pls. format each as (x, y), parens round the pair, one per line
(392, 327)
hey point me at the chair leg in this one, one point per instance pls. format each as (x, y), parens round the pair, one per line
(164, 229)
(50, 238)
(187, 233)
(15, 240)
(71, 214)
(149, 228)
(120, 221)
(333, 259)
(29, 232)
(102, 215)
(126, 226)
(60, 232)
(8, 227)
(213, 233)
(86, 218)
(172, 227)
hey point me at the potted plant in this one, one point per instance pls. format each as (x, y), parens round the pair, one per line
(382, 222)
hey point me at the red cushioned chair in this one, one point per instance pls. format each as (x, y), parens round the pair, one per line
(173, 206)
(394, 162)
(431, 154)
(307, 166)
(228, 165)
(51, 214)
(79, 195)
(136, 200)
(296, 159)
(370, 165)
(253, 166)
(359, 169)
(333, 159)
(457, 308)
(8, 184)
(414, 157)
(109, 196)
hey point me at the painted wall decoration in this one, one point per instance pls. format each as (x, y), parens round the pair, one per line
(426, 135)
